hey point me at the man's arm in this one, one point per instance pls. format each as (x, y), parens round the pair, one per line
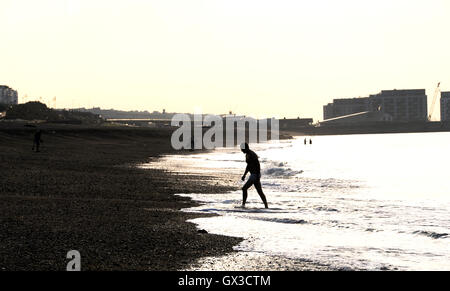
(246, 171)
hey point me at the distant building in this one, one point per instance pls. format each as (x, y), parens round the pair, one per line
(341, 107)
(396, 105)
(445, 106)
(8, 95)
(402, 105)
(295, 123)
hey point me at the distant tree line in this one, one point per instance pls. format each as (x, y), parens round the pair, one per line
(39, 111)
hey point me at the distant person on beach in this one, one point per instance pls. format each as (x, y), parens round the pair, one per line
(304, 141)
(37, 140)
(253, 166)
(310, 141)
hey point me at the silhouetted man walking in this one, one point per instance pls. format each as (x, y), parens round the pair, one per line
(254, 168)
(37, 140)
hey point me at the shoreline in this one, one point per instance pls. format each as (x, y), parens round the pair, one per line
(240, 260)
(85, 191)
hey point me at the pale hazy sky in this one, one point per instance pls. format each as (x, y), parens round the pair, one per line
(258, 57)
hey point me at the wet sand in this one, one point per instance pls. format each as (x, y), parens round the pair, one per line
(251, 261)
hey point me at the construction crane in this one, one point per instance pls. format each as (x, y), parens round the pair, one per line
(436, 92)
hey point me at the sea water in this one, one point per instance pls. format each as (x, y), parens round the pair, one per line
(355, 201)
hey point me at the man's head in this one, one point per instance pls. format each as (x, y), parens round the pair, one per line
(244, 147)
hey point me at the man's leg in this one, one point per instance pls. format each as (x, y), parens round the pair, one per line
(261, 193)
(244, 190)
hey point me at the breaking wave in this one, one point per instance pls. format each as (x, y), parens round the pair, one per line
(280, 169)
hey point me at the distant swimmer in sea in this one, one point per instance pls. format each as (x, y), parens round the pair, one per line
(37, 140)
(254, 168)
